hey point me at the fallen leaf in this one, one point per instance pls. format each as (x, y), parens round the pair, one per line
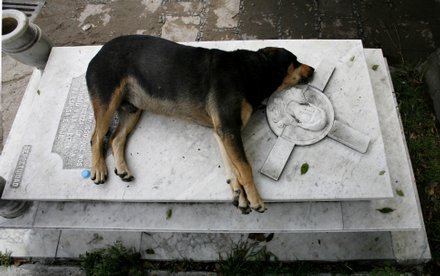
(381, 172)
(374, 67)
(270, 237)
(257, 237)
(169, 213)
(38, 91)
(385, 210)
(352, 58)
(399, 192)
(304, 168)
(150, 251)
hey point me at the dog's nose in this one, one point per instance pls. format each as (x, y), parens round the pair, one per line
(307, 73)
(311, 70)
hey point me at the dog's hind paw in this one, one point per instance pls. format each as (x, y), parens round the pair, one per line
(125, 176)
(260, 209)
(245, 210)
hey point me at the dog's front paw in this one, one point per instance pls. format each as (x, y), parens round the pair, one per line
(99, 172)
(124, 175)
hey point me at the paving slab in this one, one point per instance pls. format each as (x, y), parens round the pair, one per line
(73, 243)
(334, 28)
(298, 19)
(29, 242)
(41, 270)
(260, 17)
(61, 139)
(209, 246)
(287, 247)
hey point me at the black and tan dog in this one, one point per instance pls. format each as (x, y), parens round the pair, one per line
(210, 87)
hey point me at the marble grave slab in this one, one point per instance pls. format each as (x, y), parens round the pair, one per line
(292, 217)
(178, 160)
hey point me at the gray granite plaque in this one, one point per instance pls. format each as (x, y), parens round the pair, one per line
(72, 141)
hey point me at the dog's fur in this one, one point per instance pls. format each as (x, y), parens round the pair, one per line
(214, 88)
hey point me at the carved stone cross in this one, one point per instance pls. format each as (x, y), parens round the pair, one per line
(304, 116)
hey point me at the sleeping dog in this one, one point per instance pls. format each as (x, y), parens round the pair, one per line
(210, 87)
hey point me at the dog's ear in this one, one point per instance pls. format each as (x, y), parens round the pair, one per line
(280, 56)
(269, 52)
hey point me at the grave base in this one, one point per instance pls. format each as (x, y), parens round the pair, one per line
(321, 231)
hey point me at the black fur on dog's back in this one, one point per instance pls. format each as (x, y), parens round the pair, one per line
(170, 71)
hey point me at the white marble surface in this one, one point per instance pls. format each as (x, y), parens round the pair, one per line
(191, 157)
(73, 243)
(287, 247)
(406, 208)
(411, 246)
(29, 242)
(213, 217)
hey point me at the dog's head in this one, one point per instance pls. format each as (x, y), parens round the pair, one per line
(289, 69)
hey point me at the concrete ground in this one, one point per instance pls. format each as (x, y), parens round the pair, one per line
(407, 31)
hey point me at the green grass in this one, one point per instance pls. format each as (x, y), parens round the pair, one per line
(113, 260)
(245, 258)
(5, 258)
(423, 140)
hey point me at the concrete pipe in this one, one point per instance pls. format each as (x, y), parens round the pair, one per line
(24, 41)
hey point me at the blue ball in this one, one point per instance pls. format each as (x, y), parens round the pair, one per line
(85, 173)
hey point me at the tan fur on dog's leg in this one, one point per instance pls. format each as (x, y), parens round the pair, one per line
(231, 146)
(243, 171)
(127, 122)
(103, 118)
(238, 196)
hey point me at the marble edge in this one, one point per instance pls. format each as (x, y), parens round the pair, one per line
(390, 186)
(373, 214)
(424, 251)
(13, 146)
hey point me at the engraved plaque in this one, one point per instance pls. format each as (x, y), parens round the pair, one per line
(72, 141)
(20, 167)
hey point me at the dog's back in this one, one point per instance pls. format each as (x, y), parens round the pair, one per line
(170, 73)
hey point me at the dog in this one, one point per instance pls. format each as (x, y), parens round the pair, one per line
(210, 87)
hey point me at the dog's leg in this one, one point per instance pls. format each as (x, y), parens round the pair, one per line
(127, 122)
(229, 134)
(103, 117)
(233, 146)
(239, 199)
